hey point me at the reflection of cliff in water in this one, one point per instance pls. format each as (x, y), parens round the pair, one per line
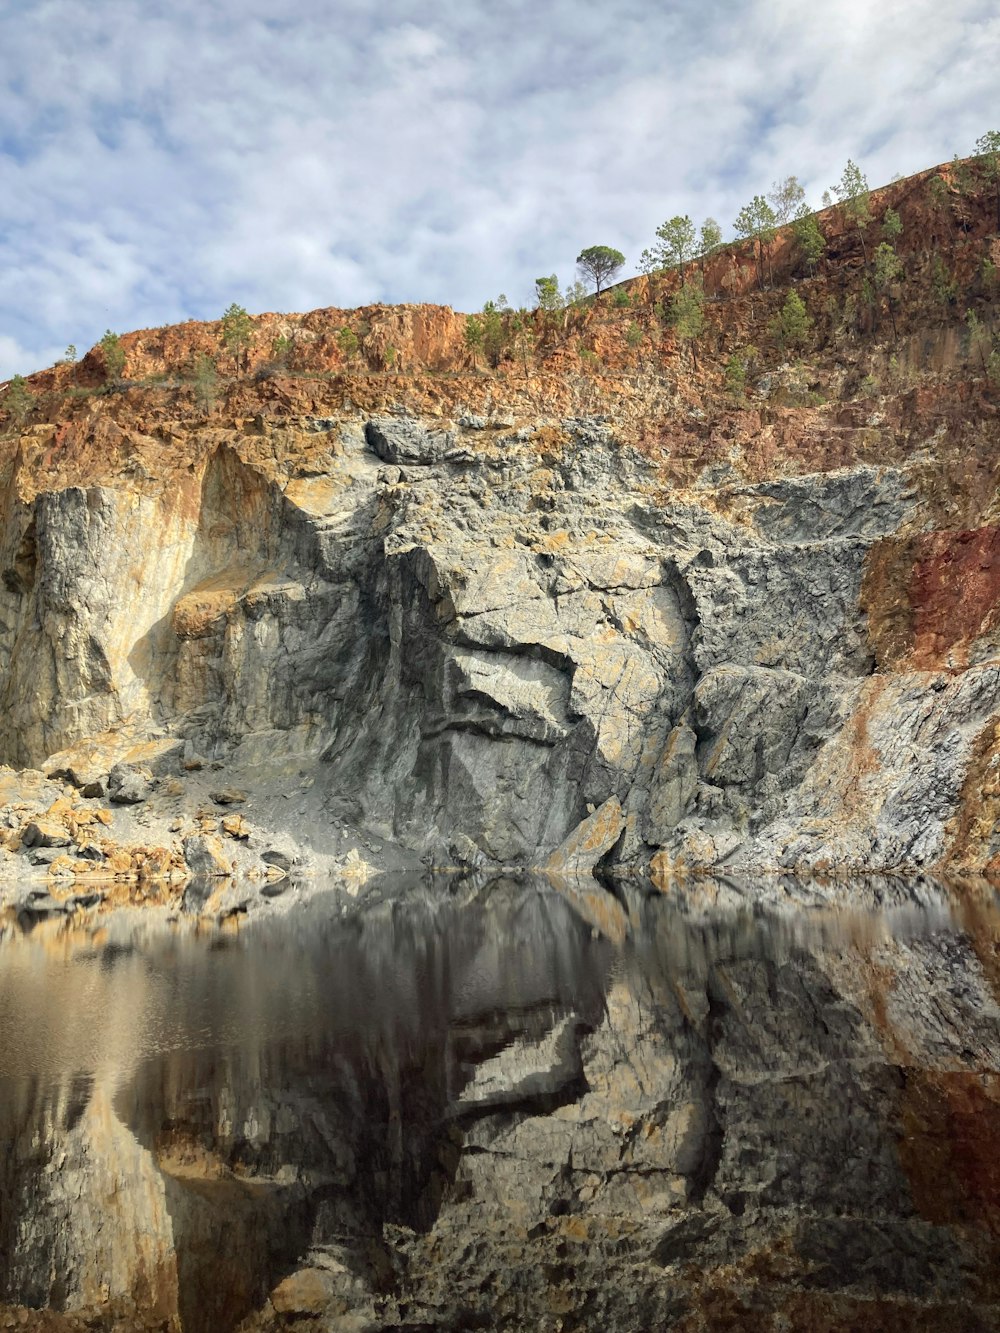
(473, 1105)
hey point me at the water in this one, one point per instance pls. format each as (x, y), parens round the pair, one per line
(510, 1105)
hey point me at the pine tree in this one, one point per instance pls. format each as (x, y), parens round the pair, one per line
(600, 263)
(852, 191)
(756, 221)
(114, 356)
(888, 270)
(687, 312)
(547, 295)
(236, 334)
(810, 239)
(474, 335)
(792, 325)
(988, 150)
(677, 243)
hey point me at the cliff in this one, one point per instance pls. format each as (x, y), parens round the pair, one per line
(599, 602)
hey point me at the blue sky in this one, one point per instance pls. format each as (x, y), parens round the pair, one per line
(159, 160)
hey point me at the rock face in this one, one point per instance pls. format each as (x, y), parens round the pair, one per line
(431, 1113)
(470, 609)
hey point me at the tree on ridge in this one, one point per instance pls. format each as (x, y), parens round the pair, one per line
(600, 263)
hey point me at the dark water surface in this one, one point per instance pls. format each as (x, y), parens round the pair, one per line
(513, 1105)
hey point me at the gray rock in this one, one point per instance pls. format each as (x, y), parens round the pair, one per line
(44, 856)
(128, 785)
(228, 796)
(406, 440)
(274, 856)
(205, 857)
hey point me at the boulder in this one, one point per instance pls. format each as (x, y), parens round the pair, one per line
(43, 832)
(128, 785)
(204, 855)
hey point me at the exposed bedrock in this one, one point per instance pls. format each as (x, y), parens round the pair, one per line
(475, 638)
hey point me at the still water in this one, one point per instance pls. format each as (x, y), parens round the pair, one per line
(508, 1105)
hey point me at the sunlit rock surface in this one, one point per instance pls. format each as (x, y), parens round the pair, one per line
(420, 608)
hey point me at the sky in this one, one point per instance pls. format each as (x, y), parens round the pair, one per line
(160, 159)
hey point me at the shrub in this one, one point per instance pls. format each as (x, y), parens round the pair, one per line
(792, 324)
(347, 341)
(18, 400)
(206, 381)
(114, 356)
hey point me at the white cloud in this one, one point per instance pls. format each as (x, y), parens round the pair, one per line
(161, 160)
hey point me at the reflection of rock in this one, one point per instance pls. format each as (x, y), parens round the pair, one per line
(421, 1114)
(525, 1072)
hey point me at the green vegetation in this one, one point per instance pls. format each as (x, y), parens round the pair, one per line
(473, 337)
(522, 337)
(18, 400)
(348, 343)
(206, 381)
(787, 199)
(792, 325)
(756, 222)
(886, 273)
(855, 199)
(982, 346)
(988, 151)
(737, 371)
(599, 264)
(114, 356)
(236, 334)
(709, 238)
(687, 311)
(281, 349)
(677, 239)
(892, 225)
(634, 335)
(809, 239)
(938, 191)
(943, 285)
(547, 295)
(69, 356)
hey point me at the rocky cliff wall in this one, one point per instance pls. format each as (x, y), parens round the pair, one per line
(592, 605)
